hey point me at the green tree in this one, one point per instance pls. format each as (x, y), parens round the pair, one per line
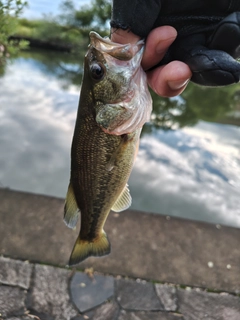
(71, 27)
(95, 15)
(9, 11)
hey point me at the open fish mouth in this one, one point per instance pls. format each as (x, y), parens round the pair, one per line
(123, 52)
(118, 56)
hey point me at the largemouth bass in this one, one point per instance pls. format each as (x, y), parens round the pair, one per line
(114, 104)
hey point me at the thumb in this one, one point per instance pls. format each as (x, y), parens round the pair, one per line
(123, 36)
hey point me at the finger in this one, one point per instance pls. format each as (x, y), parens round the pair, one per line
(157, 43)
(169, 80)
(123, 36)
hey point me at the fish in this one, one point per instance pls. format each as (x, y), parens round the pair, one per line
(114, 104)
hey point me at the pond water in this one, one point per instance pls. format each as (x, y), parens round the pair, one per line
(189, 158)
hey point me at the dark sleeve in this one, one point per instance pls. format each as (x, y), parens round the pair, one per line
(137, 16)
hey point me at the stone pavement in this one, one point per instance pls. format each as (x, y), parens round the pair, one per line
(160, 267)
(144, 245)
(31, 291)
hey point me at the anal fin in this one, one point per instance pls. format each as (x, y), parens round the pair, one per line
(84, 249)
(71, 211)
(124, 201)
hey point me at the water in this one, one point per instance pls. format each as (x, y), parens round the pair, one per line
(189, 159)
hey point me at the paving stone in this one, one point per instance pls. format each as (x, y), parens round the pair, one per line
(167, 295)
(50, 293)
(11, 301)
(108, 311)
(195, 305)
(85, 316)
(41, 315)
(21, 318)
(137, 295)
(124, 315)
(15, 272)
(88, 293)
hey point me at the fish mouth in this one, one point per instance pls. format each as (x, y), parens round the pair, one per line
(122, 52)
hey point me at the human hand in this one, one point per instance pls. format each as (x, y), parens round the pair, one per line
(211, 55)
(168, 80)
(208, 38)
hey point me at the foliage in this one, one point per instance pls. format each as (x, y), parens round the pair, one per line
(9, 11)
(96, 15)
(71, 27)
(28, 28)
(47, 29)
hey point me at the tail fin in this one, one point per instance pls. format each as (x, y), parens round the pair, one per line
(84, 249)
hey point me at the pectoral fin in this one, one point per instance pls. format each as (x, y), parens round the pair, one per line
(115, 156)
(124, 201)
(71, 211)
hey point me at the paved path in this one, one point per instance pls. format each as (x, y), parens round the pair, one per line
(34, 291)
(145, 246)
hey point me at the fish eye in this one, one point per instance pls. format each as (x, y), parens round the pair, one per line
(97, 71)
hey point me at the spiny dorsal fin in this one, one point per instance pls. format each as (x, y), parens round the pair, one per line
(71, 211)
(124, 200)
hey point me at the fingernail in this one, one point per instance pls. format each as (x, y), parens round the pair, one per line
(176, 85)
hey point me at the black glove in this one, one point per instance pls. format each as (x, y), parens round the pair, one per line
(208, 33)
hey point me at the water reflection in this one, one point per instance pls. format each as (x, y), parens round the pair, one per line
(66, 68)
(195, 103)
(188, 163)
(37, 119)
(191, 173)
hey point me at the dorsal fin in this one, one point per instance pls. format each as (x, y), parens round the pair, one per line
(71, 211)
(124, 200)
